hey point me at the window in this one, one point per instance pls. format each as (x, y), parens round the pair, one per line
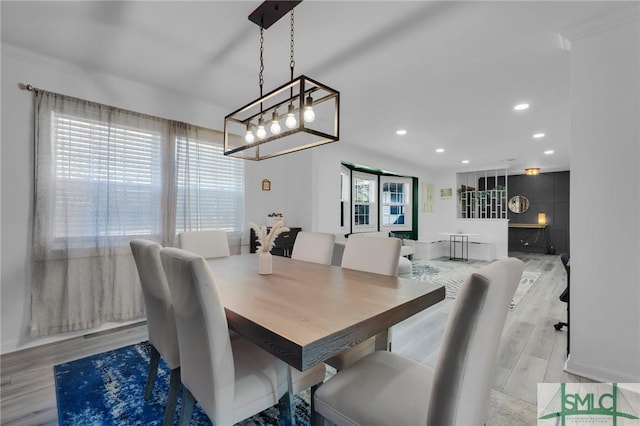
(365, 209)
(380, 200)
(101, 172)
(210, 187)
(111, 180)
(395, 203)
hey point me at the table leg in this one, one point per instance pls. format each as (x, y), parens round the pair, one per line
(464, 247)
(453, 241)
(466, 240)
(286, 404)
(383, 341)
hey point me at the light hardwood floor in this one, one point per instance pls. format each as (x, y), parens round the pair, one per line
(531, 351)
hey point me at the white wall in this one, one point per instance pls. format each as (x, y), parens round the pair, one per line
(605, 206)
(291, 191)
(443, 219)
(17, 159)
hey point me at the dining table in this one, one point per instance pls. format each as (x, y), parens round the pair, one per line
(304, 313)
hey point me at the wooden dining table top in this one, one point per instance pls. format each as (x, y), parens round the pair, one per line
(305, 312)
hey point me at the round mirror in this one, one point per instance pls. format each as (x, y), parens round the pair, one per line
(518, 204)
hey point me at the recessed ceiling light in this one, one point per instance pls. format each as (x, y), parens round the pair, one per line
(549, 151)
(401, 132)
(521, 107)
(465, 161)
(538, 135)
(440, 150)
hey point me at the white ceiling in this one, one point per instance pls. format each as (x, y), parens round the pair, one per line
(448, 72)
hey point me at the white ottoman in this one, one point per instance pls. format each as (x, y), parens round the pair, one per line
(404, 268)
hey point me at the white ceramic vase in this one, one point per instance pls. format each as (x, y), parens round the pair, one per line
(265, 263)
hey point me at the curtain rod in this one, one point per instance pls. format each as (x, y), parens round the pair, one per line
(28, 87)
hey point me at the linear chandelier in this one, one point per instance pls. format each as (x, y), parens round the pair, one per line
(302, 113)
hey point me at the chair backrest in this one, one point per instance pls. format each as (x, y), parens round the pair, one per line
(314, 247)
(379, 255)
(464, 371)
(564, 258)
(208, 244)
(207, 368)
(157, 300)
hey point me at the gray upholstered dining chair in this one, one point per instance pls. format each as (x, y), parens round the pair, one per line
(377, 255)
(314, 247)
(456, 391)
(208, 244)
(160, 320)
(231, 380)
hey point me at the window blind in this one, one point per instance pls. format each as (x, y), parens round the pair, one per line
(210, 188)
(101, 169)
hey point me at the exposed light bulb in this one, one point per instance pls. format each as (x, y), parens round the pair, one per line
(291, 122)
(275, 124)
(248, 137)
(261, 133)
(309, 115)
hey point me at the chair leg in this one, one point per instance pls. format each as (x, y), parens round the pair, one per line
(172, 397)
(187, 407)
(316, 419)
(153, 372)
(559, 325)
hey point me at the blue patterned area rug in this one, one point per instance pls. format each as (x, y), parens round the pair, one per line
(108, 389)
(452, 274)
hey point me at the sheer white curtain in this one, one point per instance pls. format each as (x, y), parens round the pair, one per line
(209, 186)
(102, 177)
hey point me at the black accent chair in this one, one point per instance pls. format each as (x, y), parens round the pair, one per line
(564, 297)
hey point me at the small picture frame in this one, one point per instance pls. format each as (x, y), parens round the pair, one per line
(266, 185)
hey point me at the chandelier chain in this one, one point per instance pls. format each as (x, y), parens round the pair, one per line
(260, 77)
(292, 62)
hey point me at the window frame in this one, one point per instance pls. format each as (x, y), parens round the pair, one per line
(372, 204)
(407, 205)
(345, 197)
(410, 227)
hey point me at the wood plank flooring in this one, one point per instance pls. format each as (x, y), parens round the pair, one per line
(531, 351)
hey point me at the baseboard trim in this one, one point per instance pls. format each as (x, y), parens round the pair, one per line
(109, 327)
(599, 374)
